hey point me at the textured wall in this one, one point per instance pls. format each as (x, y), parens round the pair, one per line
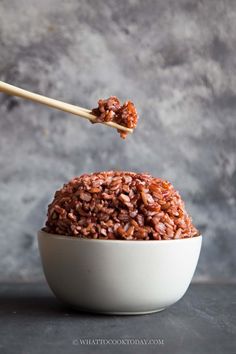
(175, 59)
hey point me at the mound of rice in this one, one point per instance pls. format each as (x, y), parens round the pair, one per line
(119, 205)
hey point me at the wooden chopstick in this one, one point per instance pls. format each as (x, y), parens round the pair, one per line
(66, 107)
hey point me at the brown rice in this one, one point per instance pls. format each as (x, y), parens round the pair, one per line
(110, 110)
(119, 205)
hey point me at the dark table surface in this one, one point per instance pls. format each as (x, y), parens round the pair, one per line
(32, 321)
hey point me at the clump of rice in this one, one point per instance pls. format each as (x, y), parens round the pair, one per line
(119, 205)
(111, 110)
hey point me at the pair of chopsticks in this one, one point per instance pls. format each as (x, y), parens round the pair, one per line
(62, 106)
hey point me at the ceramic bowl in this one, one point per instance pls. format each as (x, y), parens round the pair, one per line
(116, 276)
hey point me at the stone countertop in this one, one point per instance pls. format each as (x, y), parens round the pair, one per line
(32, 321)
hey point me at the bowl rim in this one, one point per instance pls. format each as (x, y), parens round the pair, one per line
(83, 239)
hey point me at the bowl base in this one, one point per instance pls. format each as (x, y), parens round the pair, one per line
(133, 313)
(120, 313)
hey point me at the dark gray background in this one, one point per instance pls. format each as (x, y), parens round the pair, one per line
(175, 59)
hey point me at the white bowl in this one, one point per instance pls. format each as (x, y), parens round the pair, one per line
(116, 276)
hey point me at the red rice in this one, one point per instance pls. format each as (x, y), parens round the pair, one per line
(110, 110)
(119, 205)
